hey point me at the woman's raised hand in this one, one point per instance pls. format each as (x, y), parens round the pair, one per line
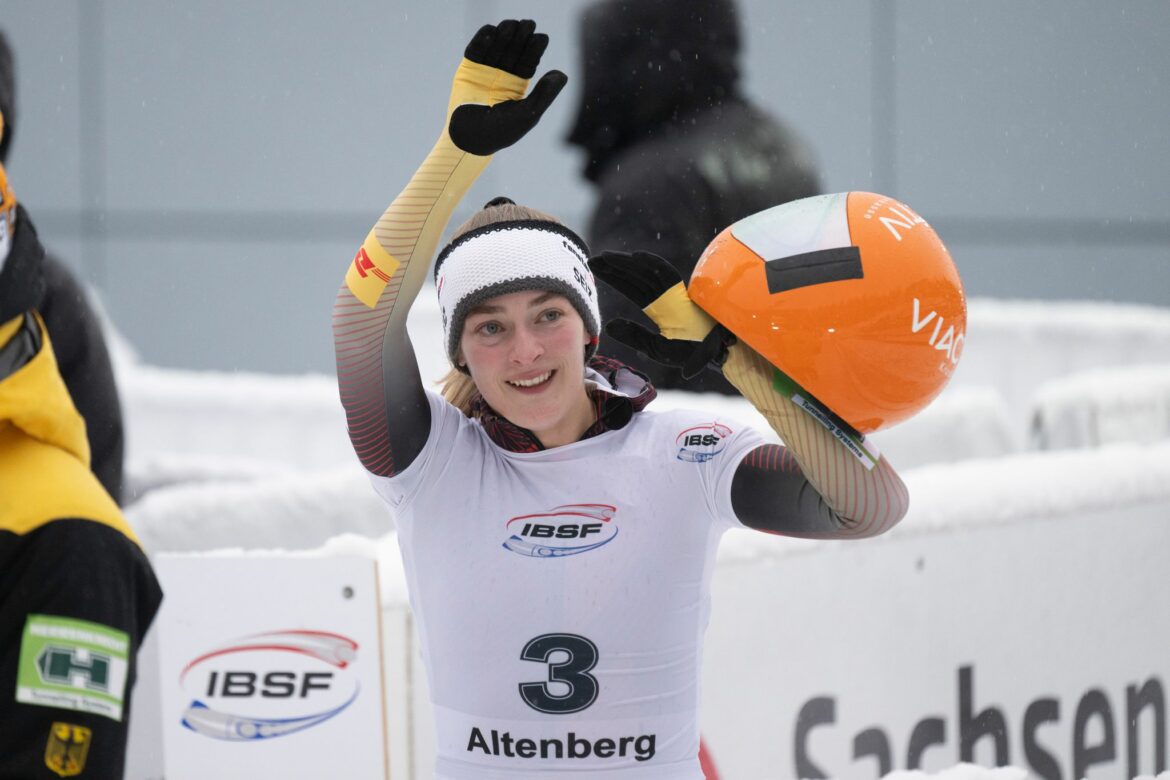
(515, 48)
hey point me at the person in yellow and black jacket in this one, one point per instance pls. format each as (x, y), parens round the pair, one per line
(77, 593)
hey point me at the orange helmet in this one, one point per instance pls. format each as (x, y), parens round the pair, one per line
(852, 296)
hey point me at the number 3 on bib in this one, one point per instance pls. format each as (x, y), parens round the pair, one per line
(570, 687)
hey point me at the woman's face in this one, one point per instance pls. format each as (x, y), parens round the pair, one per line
(525, 351)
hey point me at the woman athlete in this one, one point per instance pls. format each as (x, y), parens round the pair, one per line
(559, 537)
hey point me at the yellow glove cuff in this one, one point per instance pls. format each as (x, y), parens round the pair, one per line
(677, 316)
(483, 85)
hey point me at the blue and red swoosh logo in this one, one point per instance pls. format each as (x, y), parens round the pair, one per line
(570, 529)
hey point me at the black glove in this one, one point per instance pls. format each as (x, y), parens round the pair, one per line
(688, 337)
(515, 48)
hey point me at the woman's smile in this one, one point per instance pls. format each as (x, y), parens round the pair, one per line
(534, 383)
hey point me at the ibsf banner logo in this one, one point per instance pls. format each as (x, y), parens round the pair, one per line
(269, 685)
(571, 529)
(701, 443)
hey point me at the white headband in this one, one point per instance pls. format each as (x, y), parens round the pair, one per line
(508, 257)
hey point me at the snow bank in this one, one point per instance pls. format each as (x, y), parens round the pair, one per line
(295, 512)
(1103, 406)
(1015, 346)
(295, 420)
(1012, 349)
(152, 472)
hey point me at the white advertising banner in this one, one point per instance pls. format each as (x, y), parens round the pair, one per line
(1040, 644)
(271, 667)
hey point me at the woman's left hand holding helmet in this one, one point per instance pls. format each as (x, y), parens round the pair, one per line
(488, 110)
(692, 340)
(688, 338)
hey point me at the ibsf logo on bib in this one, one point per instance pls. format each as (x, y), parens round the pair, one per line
(700, 443)
(571, 529)
(269, 685)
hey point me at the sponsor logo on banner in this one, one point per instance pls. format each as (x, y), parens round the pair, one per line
(566, 530)
(67, 748)
(1100, 732)
(269, 685)
(701, 443)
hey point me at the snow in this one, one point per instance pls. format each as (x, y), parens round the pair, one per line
(294, 420)
(296, 512)
(1101, 406)
(1015, 346)
(152, 472)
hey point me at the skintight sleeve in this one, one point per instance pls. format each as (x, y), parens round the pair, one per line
(381, 390)
(814, 487)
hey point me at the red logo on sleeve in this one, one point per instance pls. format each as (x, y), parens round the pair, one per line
(363, 263)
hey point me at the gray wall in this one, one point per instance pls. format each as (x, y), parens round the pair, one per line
(211, 165)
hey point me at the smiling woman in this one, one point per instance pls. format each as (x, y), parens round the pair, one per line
(539, 476)
(524, 351)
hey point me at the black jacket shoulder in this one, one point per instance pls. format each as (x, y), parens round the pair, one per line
(73, 572)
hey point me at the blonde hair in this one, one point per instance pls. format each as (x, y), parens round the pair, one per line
(458, 388)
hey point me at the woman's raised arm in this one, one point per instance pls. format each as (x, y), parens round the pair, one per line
(386, 408)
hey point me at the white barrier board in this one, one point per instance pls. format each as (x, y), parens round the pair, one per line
(1040, 644)
(271, 667)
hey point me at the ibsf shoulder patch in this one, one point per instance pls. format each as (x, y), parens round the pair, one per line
(701, 443)
(67, 748)
(71, 664)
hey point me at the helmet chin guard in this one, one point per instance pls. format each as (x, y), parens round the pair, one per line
(852, 296)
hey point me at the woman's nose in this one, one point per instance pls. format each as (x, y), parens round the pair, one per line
(526, 346)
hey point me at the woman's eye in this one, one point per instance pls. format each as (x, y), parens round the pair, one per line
(552, 315)
(489, 328)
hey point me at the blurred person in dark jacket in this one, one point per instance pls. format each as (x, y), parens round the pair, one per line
(676, 152)
(77, 593)
(80, 347)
